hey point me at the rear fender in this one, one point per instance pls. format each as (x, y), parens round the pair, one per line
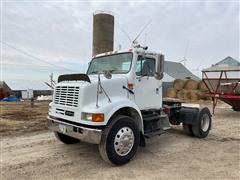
(188, 115)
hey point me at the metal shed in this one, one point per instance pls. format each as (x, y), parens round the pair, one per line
(177, 70)
(4, 86)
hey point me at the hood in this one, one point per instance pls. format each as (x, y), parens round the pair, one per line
(88, 91)
(113, 88)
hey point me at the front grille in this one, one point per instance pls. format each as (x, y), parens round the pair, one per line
(67, 95)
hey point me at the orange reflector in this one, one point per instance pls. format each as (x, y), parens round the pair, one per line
(130, 50)
(130, 85)
(97, 117)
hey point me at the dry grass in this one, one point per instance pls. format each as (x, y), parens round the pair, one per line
(19, 117)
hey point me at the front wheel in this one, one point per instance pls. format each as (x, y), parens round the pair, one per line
(120, 140)
(203, 125)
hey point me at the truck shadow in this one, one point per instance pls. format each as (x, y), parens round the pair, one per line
(155, 147)
(176, 130)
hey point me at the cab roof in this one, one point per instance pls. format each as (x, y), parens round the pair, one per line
(136, 50)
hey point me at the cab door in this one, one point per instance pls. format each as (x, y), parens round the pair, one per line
(148, 90)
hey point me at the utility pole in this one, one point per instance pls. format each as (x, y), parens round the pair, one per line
(51, 79)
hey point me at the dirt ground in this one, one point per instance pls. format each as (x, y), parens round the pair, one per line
(173, 155)
(19, 118)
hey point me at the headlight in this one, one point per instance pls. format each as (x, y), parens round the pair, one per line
(98, 117)
(88, 116)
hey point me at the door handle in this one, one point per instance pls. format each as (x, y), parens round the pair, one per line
(157, 90)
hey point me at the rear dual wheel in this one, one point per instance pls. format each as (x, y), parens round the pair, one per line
(187, 129)
(120, 140)
(202, 127)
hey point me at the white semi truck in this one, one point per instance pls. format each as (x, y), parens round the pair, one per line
(118, 103)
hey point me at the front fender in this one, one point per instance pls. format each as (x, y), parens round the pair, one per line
(125, 104)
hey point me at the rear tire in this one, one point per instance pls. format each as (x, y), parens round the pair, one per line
(120, 140)
(188, 129)
(65, 139)
(203, 125)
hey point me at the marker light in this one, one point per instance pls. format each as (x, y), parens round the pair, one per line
(130, 85)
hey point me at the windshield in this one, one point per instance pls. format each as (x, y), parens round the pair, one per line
(116, 63)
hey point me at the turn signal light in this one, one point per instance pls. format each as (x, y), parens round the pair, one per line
(130, 85)
(97, 117)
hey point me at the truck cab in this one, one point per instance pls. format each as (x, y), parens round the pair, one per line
(118, 103)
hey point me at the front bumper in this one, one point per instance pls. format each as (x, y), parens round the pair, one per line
(89, 135)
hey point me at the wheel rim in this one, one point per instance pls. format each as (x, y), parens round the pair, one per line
(205, 122)
(124, 141)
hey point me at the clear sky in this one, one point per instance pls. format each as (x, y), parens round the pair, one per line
(60, 33)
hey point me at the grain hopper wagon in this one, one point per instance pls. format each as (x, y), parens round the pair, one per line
(223, 82)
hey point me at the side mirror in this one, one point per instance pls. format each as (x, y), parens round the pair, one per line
(159, 67)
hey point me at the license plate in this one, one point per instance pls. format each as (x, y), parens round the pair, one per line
(62, 128)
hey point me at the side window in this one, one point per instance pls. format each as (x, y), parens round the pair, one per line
(145, 66)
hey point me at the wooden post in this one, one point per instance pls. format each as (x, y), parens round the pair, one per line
(32, 102)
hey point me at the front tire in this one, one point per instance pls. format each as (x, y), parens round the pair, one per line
(202, 127)
(65, 139)
(120, 140)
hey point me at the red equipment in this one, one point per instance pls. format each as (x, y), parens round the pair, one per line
(223, 83)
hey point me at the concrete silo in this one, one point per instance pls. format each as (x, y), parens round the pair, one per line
(103, 32)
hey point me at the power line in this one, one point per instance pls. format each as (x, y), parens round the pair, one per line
(34, 57)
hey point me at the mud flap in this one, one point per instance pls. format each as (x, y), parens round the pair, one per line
(164, 123)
